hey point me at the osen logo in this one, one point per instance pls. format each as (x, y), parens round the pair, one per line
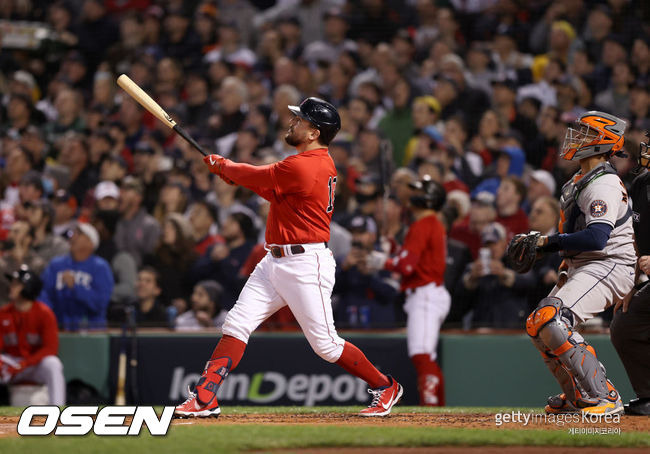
(77, 420)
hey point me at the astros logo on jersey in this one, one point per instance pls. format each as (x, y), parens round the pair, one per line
(598, 208)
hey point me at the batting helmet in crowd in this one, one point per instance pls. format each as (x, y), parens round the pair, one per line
(430, 194)
(32, 284)
(322, 115)
(594, 133)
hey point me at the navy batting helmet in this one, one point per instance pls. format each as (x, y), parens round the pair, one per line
(322, 115)
(430, 194)
(32, 283)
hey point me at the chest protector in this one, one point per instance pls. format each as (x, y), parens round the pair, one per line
(572, 218)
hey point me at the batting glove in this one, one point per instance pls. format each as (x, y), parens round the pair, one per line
(376, 260)
(215, 164)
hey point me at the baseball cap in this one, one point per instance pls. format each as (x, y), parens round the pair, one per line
(64, 196)
(25, 78)
(431, 102)
(362, 224)
(131, 182)
(107, 189)
(492, 233)
(545, 178)
(90, 232)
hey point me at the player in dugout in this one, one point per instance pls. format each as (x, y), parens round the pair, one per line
(29, 338)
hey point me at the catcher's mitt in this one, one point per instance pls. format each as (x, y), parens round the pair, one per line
(522, 251)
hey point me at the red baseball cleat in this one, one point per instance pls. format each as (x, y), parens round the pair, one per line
(383, 399)
(192, 408)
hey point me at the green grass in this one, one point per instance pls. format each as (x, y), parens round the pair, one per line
(217, 439)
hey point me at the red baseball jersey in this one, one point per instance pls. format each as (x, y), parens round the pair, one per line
(301, 191)
(30, 335)
(422, 259)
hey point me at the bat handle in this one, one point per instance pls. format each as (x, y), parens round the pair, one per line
(189, 139)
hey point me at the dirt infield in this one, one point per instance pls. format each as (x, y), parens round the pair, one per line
(474, 421)
(625, 424)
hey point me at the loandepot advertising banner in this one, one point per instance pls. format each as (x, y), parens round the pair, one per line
(275, 370)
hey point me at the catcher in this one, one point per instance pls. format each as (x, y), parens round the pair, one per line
(597, 244)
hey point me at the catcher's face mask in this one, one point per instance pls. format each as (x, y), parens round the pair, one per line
(576, 138)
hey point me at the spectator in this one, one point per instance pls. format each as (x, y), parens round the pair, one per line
(203, 217)
(78, 286)
(510, 196)
(468, 231)
(122, 263)
(149, 310)
(107, 196)
(224, 261)
(18, 251)
(397, 124)
(544, 218)
(366, 297)
(498, 294)
(173, 198)
(541, 184)
(29, 339)
(18, 162)
(47, 245)
(75, 156)
(65, 213)
(173, 258)
(137, 232)
(206, 311)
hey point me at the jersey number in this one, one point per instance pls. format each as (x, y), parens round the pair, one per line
(331, 186)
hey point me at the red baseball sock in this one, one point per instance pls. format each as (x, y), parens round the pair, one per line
(229, 347)
(431, 384)
(355, 362)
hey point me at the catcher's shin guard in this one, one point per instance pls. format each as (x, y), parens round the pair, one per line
(215, 372)
(551, 329)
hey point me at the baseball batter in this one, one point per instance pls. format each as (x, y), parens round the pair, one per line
(298, 270)
(421, 263)
(596, 241)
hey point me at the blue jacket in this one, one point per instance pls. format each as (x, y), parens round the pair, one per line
(87, 301)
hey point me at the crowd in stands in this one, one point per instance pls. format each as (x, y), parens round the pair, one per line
(115, 210)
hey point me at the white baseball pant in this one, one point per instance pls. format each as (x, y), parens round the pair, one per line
(304, 282)
(48, 372)
(593, 287)
(426, 308)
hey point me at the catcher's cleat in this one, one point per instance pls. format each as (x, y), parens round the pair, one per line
(559, 404)
(192, 408)
(611, 405)
(383, 399)
(605, 407)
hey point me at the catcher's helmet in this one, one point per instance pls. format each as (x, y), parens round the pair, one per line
(430, 194)
(32, 283)
(595, 133)
(322, 115)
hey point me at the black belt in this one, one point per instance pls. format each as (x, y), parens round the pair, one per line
(278, 251)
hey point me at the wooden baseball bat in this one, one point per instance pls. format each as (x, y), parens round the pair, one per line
(152, 106)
